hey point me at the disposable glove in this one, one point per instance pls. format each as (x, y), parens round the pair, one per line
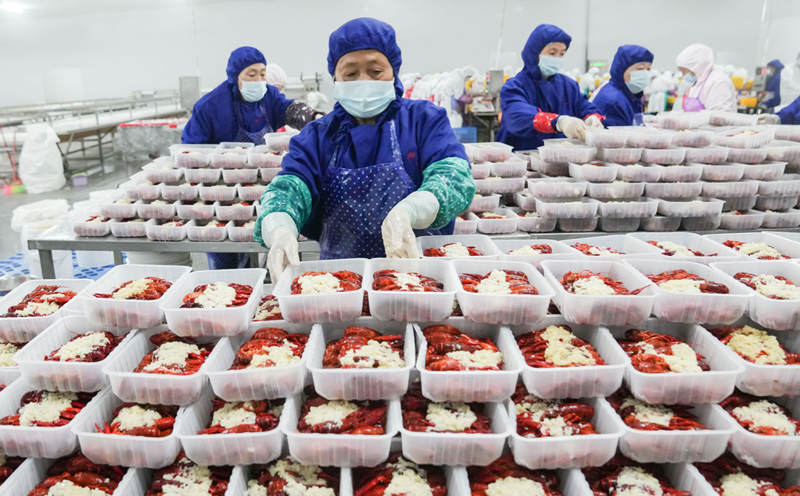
(769, 119)
(280, 235)
(416, 211)
(572, 127)
(593, 121)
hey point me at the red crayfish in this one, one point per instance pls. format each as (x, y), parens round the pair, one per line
(8, 468)
(96, 354)
(637, 345)
(273, 483)
(534, 348)
(681, 418)
(440, 252)
(191, 365)
(739, 399)
(736, 245)
(678, 274)
(670, 252)
(587, 249)
(348, 281)
(65, 417)
(181, 471)
(415, 411)
(81, 472)
(243, 292)
(577, 416)
(748, 280)
(480, 478)
(368, 419)
(386, 280)
(444, 338)
(354, 338)
(725, 334)
(263, 410)
(161, 427)
(517, 281)
(373, 481)
(156, 287)
(268, 309)
(260, 343)
(768, 480)
(43, 293)
(540, 249)
(568, 280)
(603, 480)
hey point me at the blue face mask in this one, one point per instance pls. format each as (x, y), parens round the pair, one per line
(639, 81)
(550, 65)
(364, 98)
(690, 78)
(253, 91)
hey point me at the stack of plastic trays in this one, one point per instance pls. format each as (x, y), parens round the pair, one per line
(466, 223)
(673, 246)
(619, 247)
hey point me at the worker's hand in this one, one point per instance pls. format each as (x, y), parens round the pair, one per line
(593, 121)
(572, 127)
(769, 119)
(280, 235)
(416, 211)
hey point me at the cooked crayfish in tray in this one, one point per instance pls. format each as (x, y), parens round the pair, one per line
(595, 251)
(399, 476)
(321, 416)
(133, 419)
(270, 347)
(727, 472)
(8, 464)
(423, 415)
(7, 351)
(774, 287)
(77, 474)
(450, 349)
(671, 249)
(504, 476)
(174, 355)
(587, 282)
(268, 309)
(326, 282)
(393, 280)
(498, 282)
(681, 281)
(364, 348)
(755, 345)
(275, 478)
(147, 288)
(557, 346)
(621, 475)
(452, 250)
(760, 416)
(532, 250)
(643, 416)
(234, 417)
(761, 251)
(218, 295)
(44, 300)
(655, 353)
(87, 347)
(186, 477)
(47, 408)
(537, 417)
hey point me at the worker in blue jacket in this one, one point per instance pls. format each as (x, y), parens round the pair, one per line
(790, 114)
(379, 167)
(540, 103)
(243, 108)
(773, 86)
(620, 99)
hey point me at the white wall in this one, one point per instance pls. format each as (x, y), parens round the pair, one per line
(118, 51)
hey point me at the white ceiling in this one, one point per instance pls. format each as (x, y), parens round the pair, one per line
(64, 8)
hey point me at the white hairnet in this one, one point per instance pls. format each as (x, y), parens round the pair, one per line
(698, 58)
(276, 76)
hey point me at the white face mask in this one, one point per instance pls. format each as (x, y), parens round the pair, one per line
(253, 91)
(364, 98)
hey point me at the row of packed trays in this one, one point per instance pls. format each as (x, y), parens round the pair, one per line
(209, 190)
(168, 229)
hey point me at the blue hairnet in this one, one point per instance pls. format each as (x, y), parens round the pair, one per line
(626, 56)
(777, 64)
(241, 58)
(540, 38)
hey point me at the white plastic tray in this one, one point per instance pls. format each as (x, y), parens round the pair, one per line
(764, 203)
(233, 212)
(190, 211)
(469, 226)
(501, 308)
(513, 167)
(262, 156)
(118, 210)
(760, 138)
(765, 172)
(267, 174)
(489, 202)
(700, 207)
(580, 224)
(708, 155)
(570, 209)
(234, 176)
(408, 306)
(471, 385)
(694, 138)
(216, 192)
(681, 173)
(605, 138)
(659, 223)
(782, 220)
(560, 251)
(157, 389)
(362, 384)
(147, 210)
(259, 382)
(229, 159)
(642, 137)
(562, 188)
(615, 191)
(130, 229)
(33, 471)
(748, 155)
(184, 191)
(673, 191)
(620, 155)
(714, 251)
(201, 232)
(637, 173)
(211, 321)
(320, 307)
(630, 247)
(483, 243)
(22, 329)
(601, 310)
(206, 176)
(506, 225)
(786, 246)
(250, 192)
(619, 225)
(664, 156)
(237, 232)
(727, 172)
(156, 231)
(127, 314)
(91, 229)
(627, 209)
(787, 151)
(144, 190)
(534, 223)
(193, 156)
(555, 150)
(740, 204)
(738, 189)
(591, 172)
(747, 221)
(705, 223)
(493, 185)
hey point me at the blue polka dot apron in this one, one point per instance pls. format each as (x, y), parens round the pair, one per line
(245, 136)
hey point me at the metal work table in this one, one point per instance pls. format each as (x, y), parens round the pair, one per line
(119, 245)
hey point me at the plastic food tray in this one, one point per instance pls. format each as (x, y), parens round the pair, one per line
(581, 224)
(701, 207)
(63, 376)
(500, 185)
(552, 169)
(641, 137)
(787, 151)
(760, 137)
(91, 229)
(694, 138)
(605, 138)
(787, 132)
(130, 229)
(191, 210)
(765, 172)
(161, 171)
(619, 225)
(728, 172)
(709, 155)
(614, 191)
(573, 382)
(722, 118)
(627, 209)
(715, 252)
(216, 192)
(149, 210)
(502, 308)
(637, 173)
(669, 388)
(267, 174)
(237, 232)
(566, 150)
(261, 156)
(590, 450)
(319, 307)
(206, 176)
(560, 250)
(233, 176)
(736, 189)
(191, 156)
(340, 450)
(469, 226)
(630, 247)
(362, 384)
(233, 211)
(229, 159)
(491, 202)
(763, 380)
(561, 188)
(123, 210)
(199, 232)
(155, 389)
(619, 155)
(787, 246)
(488, 152)
(681, 120)
(471, 385)
(513, 167)
(259, 382)
(211, 321)
(581, 208)
(705, 223)
(682, 173)
(483, 243)
(659, 223)
(525, 200)
(183, 191)
(764, 203)
(746, 221)
(481, 171)
(712, 308)
(601, 310)
(9, 375)
(678, 446)
(604, 173)
(445, 448)
(740, 204)
(775, 452)
(673, 191)
(499, 226)
(666, 156)
(157, 231)
(141, 190)
(534, 223)
(782, 220)
(250, 192)
(37, 442)
(747, 155)
(23, 329)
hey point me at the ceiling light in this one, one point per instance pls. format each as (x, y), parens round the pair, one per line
(13, 7)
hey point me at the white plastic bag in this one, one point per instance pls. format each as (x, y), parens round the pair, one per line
(36, 211)
(40, 166)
